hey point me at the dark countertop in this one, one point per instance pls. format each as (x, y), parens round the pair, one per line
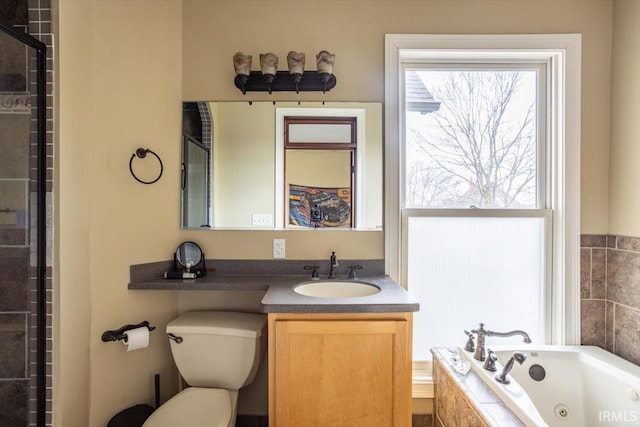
(391, 298)
(280, 297)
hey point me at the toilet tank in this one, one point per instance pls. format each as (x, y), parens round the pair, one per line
(219, 349)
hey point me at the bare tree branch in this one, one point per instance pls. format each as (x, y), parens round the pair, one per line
(481, 145)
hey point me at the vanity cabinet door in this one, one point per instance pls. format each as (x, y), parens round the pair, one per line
(338, 373)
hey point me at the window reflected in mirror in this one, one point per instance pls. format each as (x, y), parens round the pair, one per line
(320, 165)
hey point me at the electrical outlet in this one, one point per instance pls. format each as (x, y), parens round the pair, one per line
(278, 248)
(262, 220)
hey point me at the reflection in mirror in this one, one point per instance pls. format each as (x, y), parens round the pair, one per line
(254, 175)
(188, 254)
(320, 167)
(195, 183)
(188, 262)
(325, 198)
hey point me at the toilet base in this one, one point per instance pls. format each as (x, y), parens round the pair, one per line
(197, 407)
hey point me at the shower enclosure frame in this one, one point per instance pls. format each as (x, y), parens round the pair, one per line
(41, 216)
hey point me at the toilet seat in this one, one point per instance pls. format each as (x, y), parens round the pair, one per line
(196, 407)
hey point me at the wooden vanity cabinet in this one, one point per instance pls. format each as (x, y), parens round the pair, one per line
(340, 370)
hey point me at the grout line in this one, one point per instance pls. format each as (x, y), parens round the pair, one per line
(613, 329)
(613, 302)
(606, 273)
(590, 273)
(623, 305)
(605, 323)
(624, 250)
(606, 293)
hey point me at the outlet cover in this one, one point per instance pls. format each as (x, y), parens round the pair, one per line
(278, 248)
(262, 220)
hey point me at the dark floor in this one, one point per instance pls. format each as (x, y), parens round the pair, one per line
(252, 421)
(263, 420)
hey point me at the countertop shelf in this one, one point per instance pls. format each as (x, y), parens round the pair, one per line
(279, 295)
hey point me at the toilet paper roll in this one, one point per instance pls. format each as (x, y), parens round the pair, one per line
(136, 338)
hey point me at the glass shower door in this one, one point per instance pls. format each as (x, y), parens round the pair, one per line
(22, 230)
(195, 184)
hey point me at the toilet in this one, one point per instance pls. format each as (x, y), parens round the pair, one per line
(217, 353)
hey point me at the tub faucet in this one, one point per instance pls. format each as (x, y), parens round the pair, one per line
(482, 333)
(333, 261)
(515, 357)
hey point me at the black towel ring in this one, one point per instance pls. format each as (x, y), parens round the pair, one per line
(142, 153)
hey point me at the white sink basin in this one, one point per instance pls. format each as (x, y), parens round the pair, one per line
(336, 289)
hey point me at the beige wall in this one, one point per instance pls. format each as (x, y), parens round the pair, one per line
(124, 67)
(119, 89)
(243, 161)
(624, 187)
(354, 31)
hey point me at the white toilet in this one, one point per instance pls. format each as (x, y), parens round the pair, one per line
(219, 353)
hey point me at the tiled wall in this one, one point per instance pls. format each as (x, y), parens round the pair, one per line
(41, 28)
(610, 294)
(18, 274)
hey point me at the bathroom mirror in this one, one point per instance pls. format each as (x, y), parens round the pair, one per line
(257, 166)
(188, 254)
(189, 258)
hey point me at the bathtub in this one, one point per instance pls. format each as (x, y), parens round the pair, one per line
(566, 386)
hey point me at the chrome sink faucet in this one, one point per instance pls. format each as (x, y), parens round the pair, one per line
(333, 261)
(482, 333)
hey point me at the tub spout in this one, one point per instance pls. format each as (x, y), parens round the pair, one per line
(524, 335)
(515, 357)
(482, 333)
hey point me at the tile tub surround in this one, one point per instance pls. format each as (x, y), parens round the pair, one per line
(610, 294)
(278, 278)
(465, 400)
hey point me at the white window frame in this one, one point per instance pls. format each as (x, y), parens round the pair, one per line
(563, 54)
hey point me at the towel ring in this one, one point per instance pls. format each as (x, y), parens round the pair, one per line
(142, 153)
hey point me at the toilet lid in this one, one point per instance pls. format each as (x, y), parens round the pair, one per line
(194, 407)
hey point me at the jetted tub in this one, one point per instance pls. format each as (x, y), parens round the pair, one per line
(566, 386)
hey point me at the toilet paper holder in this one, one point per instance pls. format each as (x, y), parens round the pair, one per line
(118, 334)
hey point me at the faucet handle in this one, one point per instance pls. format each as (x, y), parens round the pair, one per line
(470, 345)
(490, 363)
(352, 271)
(314, 272)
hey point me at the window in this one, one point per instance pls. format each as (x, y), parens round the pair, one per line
(482, 186)
(314, 145)
(475, 201)
(484, 145)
